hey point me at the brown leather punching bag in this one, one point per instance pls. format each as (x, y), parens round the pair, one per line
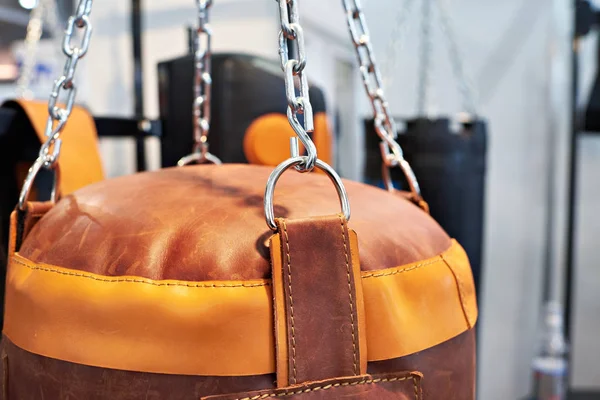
(169, 284)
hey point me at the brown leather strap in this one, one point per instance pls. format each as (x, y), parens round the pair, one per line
(397, 386)
(319, 309)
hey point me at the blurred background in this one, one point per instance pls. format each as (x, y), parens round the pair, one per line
(516, 58)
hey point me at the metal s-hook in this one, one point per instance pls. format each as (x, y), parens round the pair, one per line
(291, 30)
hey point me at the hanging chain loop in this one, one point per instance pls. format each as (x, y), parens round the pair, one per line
(464, 85)
(293, 66)
(385, 127)
(396, 42)
(202, 87)
(291, 31)
(64, 85)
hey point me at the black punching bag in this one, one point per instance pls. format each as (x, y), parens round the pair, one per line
(450, 166)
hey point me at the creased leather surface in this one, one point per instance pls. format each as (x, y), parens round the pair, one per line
(164, 224)
(449, 371)
(320, 304)
(398, 386)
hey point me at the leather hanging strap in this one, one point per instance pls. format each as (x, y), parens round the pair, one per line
(319, 319)
(319, 308)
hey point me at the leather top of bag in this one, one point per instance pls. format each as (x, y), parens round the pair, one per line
(207, 222)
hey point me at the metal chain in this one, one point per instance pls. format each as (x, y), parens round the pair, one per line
(293, 65)
(385, 127)
(34, 34)
(65, 84)
(394, 44)
(202, 88)
(464, 86)
(425, 65)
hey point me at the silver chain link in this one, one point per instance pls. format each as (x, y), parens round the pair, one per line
(294, 67)
(385, 126)
(464, 86)
(65, 84)
(202, 87)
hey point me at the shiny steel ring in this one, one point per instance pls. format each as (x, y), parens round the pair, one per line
(198, 158)
(38, 165)
(292, 162)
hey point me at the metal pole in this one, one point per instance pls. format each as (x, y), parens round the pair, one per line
(572, 186)
(138, 80)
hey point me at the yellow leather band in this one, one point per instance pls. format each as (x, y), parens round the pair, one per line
(218, 327)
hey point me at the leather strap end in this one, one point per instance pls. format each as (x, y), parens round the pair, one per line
(318, 305)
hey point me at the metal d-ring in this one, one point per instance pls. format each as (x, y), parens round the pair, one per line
(198, 158)
(292, 162)
(30, 179)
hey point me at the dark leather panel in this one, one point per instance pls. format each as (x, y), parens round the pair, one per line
(207, 223)
(33, 377)
(448, 370)
(399, 386)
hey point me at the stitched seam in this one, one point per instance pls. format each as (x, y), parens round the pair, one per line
(83, 275)
(327, 387)
(131, 280)
(289, 268)
(461, 295)
(399, 271)
(414, 379)
(349, 294)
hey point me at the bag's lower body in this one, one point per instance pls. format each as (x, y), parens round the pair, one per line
(448, 371)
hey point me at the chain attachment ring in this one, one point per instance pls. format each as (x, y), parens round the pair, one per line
(57, 115)
(294, 161)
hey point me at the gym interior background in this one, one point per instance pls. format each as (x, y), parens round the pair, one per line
(517, 56)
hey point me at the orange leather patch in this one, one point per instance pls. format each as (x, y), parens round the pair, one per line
(217, 327)
(267, 139)
(79, 161)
